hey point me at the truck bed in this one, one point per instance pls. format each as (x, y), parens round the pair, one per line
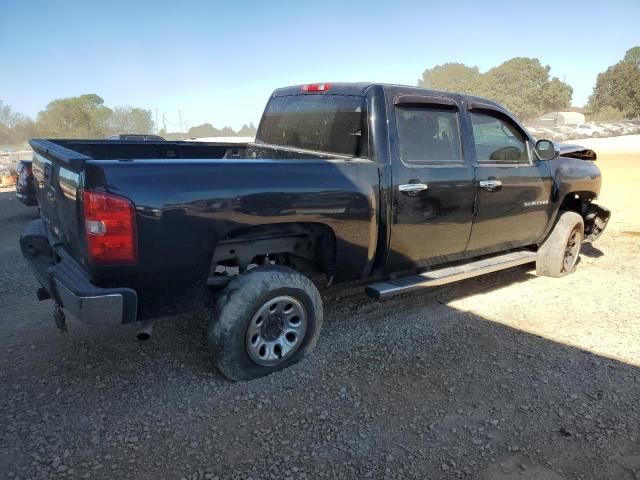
(73, 153)
(189, 196)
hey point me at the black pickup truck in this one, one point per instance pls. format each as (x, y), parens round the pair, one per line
(395, 186)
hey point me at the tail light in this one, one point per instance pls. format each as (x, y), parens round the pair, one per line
(110, 227)
(316, 87)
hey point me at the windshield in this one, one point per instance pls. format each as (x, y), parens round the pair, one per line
(326, 123)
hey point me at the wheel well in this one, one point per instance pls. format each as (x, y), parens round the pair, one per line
(578, 202)
(309, 248)
(595, 217)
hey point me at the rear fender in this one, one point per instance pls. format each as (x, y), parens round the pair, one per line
(311, 244)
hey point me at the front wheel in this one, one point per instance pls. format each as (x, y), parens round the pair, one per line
(265, 320)
(558, 254)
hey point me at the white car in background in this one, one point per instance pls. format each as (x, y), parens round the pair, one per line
(628, 128)
(611, 128)
(592, 130)
(547, 133)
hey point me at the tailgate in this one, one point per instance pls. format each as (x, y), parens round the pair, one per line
(56, 172)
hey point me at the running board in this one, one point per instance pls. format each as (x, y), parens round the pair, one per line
(450, 274)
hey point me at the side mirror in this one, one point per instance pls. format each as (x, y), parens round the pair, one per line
(546, 150)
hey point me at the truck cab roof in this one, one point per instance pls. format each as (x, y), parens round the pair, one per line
(361, 88)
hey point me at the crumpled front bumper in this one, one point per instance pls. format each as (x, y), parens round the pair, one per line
(68, 284)
(595, 222)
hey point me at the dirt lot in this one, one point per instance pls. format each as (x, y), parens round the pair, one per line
(510, 376)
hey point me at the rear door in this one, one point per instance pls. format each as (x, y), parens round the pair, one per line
(513, 187)
(433, 190)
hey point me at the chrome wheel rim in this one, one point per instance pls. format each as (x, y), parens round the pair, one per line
(276, 330)
(572, 250)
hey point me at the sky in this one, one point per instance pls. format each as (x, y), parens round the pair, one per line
(218, 62)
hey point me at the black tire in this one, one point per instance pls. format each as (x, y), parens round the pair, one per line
(567, 236)
(239, 303)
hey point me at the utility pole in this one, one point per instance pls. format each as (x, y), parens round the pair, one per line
(164, 124)
(157, 126)
(180, 115)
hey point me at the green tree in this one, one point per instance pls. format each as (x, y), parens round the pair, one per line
(619, 86)
(608, 114)
(247, 130)
(208, 130)
(15, 128)
(633, 56)
(453, 77)
(204, 130)
(556, 95)
(523, 86)
(520, 84)
(128, 119)
(8, 117)
(75, 117)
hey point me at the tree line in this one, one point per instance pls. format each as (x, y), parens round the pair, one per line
(86, 116)
(520, 84)
(523, 85)
(208, 130)
(617, 91)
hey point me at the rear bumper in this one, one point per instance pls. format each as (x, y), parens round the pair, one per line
(68, 284)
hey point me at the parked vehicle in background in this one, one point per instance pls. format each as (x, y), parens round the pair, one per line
(397, 187)
(548, 133)
(592, 130)
(566, 131)
(608, 129)
(611, 128)
(574, 132)
(627, 128)
(136, 137)
(25, 188)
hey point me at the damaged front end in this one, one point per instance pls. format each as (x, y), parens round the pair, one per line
(595, 221)
(576, 151)
(595, 216)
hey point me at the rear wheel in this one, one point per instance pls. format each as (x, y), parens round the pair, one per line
(265, 320)
(558, 254)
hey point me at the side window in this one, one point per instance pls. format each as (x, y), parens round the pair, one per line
(428, 134)
(497, 140)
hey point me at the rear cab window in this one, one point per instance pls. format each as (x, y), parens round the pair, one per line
(428, 135)
(334, 124)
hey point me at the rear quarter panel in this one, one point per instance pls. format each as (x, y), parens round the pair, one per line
(185, 207)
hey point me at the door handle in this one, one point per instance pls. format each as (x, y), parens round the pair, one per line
(490, 185)
(413, 187)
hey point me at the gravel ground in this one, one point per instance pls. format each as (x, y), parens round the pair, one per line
(508, 376)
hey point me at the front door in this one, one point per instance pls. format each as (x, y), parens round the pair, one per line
(513, 187)
(433, 189)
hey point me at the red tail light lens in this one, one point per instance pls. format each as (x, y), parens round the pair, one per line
(110, 228)
(316, 87)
